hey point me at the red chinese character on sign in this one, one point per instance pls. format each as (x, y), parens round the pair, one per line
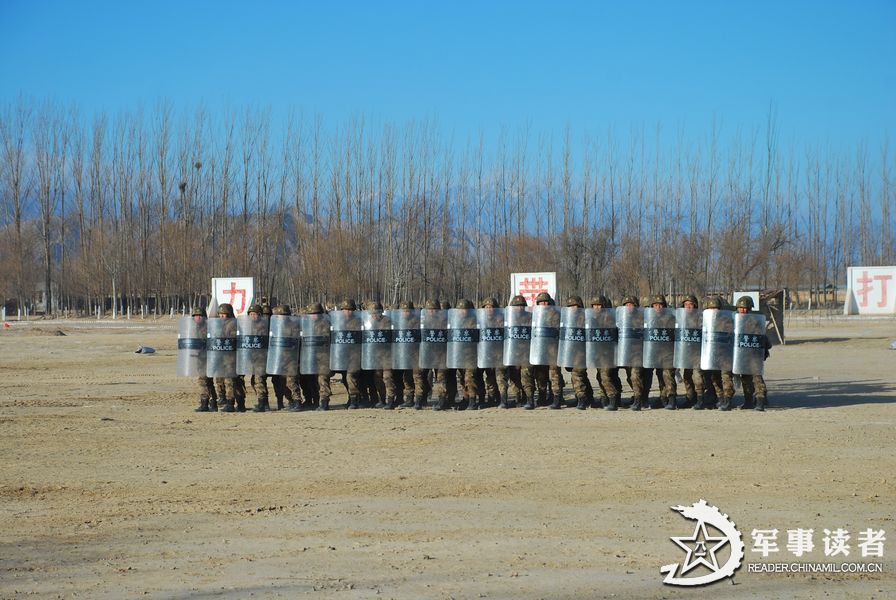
(233, 291)
(530, 287)
(866, 288)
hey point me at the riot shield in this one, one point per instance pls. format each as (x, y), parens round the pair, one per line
(545, 335)
(345, 340)
(220, 348)
(630, 347)
(601, 337)
(252, 344)
(314, 353)
(376, 341)
(283, 346)
(433, 338)
(571, 348)
(463, 338)
(716, 352)
(191, 347)
(659, 338)
(406, 340)
(490, 350)
(688, 338)
(749, 344)
(517, 336)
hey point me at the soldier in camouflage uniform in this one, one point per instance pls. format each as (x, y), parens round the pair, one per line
(543, 374)
(694, 380)
(322, 379)
(633, 375)
(492, 383)
(608, 381)
(665, 377)
(208, 398)
(380, 379)
(226, 388)
(753, 385)
(259, 383)
(580, 384)
(411, 381)
(467, 377)
(719, 384)
(351, 379)
(445, 379)
(286, 386)
(519, 379)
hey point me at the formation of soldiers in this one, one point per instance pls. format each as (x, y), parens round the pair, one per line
(464, 358)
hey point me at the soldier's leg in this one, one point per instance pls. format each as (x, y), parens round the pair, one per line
(204, 395)
(421, 387)
(611, 389)
(727, 390)
(292, 391)
(637, 383)
(323, 384)
(580, 388)
(761, 392)
(646, 384)
(527, 379)
(451, 387)
(479, 397)
(490, 379)
(688, 377)
(515, 384)
(407, 379)
(670, 389)
(746, 383)
(557, 383)
(471, 389)
(501, 384)
(439, 391)
(222, 385)
(540, 377)
(353, 385)
(260, 387)
(391, 387)
(239, 392)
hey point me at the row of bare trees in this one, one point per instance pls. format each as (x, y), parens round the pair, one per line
(141, 209)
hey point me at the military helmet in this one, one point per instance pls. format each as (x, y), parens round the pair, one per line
(314, 308)
(225, 309)
(745, 302)
(347, 304)
(602, 300)
(631, 300)
(282, 309)
(405, 305)
(690, 298)
(575, 301)
(517, 301)
(445, 304)
(712, 302)
(464, 303)
(431, 305)
(544, 297)
(658, 299)
(266, 309)
(198, 311)
(254, 308)
(490, 302)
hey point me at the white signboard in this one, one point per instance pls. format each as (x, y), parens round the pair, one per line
(236, 291)
(870, 291)
(529, 285)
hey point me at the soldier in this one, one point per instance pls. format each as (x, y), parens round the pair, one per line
(753, 384)
(572, 336)
(376, 353)
(433, 349)
(226, 387)
(492, 380)
(629, 310)
(517, 339)
(208, 399)
(659, 346)
(694, 381)
(286, 382)
(255, 323)
(345, 349)
(406, 355)
(717, 381)
(316, 351)
(608, 381)
(542, 373)
(446, 379)
(462, 351)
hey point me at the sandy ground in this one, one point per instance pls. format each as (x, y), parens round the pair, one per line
(111, 486)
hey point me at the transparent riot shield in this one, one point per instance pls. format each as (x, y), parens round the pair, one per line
(717, 351)
(376, 341)
(252, 344)
(191, 338)
(630, 348)
(220, 348)
(571, 347)
(314, 351)
(545, 335)
(688, 338)
(345, 340)
(406, 340)
(463, 338)
(490, 350)
(517, 336)
(433, 338)
(749, 344)
(601, 338)
(659, 338)
(283, 345)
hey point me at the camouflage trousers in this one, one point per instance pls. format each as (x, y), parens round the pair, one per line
(259, 386)
(753, 385)
(352, 382)
(635, 381)
(580, 385)
(609, 383)
(286, 387)
(226, 388)
(519, 382)
(693, 383)
(665, 382)
(207, 388)
(372, 383)
(719, 384)
(446, 384)
(491, 382)
(543, 374)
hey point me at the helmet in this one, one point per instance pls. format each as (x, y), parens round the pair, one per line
(712, 302)
(691, 298)
(517, 301)
(431, 305)
(490, 302)
(254, 308)
(347, 304)
(198, 311)
(544, 297)
(405, 305)
(266, 309)
(745, 302)
(445, 304)
(658, 299)
(464, 303)
(225, 309)
(282, 309)
(603, 301)
(373, 305)
(314, 308)
(575, 301)
(631, 300)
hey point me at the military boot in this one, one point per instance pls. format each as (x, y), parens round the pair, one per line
(380, 403)
(636, 404)
(612, 403)
(760, 403)
(240, 404)
(227, 405)
(582, 403)
(671, 403)
(474, 403)
(324, 404)
(203, 405)
(390, 403)
(557, 404)
(212, 405)
(504, 401)
(352, 402)
(748, 404)
(698, 404)
(725, 404)
(540, 398)
(262, 405)
(408, 402)
(294, 405)
(419, 402)
(280, 403)
(530, 401)
(441, 403)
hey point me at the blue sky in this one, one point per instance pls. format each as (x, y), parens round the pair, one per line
(828, 67)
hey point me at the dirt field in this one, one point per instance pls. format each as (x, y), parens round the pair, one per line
(111, 486)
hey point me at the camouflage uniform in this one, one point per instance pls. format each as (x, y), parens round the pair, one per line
(608, 383)
(693, 379)
(445, 380)
(633, 375)
(492, 383)
(665, 377)
(285, 386)
(413, 382)
(319, 384)
(380, 390)
(581, 386)
(519, 381)
(351, 379)
(719, 385)
(227, 389)
(208, 398)
(753, 385)
(544, 374)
